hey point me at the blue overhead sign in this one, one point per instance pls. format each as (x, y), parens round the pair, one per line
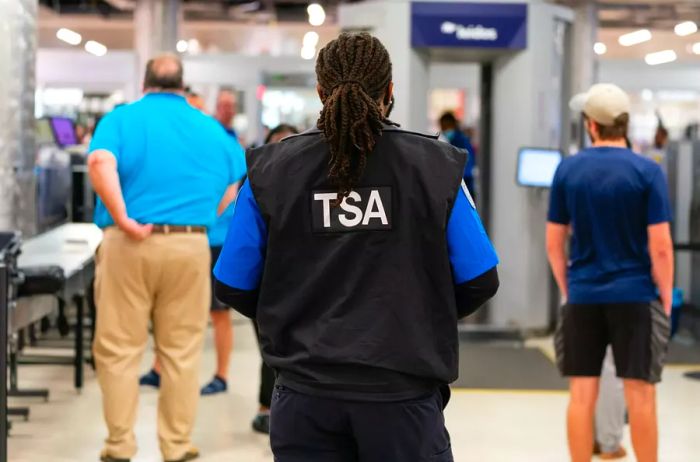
(469, 25)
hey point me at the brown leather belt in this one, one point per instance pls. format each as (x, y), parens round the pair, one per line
(169, 229)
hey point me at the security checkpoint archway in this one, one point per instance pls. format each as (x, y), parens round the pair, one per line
(523, 49)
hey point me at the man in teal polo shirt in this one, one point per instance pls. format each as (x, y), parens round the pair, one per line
(162, 169)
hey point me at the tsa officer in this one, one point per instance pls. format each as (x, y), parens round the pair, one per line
(357, 271)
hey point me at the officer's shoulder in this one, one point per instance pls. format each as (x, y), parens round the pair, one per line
(414, 136)
(289, 144)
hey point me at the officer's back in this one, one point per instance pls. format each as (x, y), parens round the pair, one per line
(353, 278)
(357, 247)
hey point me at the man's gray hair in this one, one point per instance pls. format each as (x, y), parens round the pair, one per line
(164, 72)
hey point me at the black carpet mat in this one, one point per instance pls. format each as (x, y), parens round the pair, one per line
(680, 353)
(506, 368)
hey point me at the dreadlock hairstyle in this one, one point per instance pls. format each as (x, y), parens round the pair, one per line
(353, 72)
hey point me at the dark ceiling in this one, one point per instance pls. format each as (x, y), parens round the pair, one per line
(662, 14)
(196, 10)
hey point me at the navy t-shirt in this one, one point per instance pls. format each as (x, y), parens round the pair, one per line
(609, 196)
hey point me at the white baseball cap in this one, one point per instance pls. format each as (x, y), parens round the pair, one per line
(603, 103)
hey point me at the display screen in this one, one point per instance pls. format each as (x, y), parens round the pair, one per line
(53, 188)
(536, 167)
(63, 131)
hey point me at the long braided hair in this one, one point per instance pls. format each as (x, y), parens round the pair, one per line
(354, 73)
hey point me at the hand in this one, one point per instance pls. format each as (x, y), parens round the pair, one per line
(668, 306)
(134, 229)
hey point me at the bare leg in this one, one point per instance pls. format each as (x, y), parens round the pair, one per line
(223, 340)
(641, 403)
(584, 394)
(156, 365)
(610, 410)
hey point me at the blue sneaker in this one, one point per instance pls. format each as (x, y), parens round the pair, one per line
(150, 379)
(217, 385)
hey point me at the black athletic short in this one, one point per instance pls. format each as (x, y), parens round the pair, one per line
(216, 304)
(638, 333)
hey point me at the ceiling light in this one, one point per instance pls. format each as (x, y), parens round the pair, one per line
(69, 36)
(696, 48)
(193, 46)
(635, 38)
(95, 48)
(182, 46)
(600, 48)
(317, 15)
(308, 52)
(686, 28)
(311, 39)
(661, 57)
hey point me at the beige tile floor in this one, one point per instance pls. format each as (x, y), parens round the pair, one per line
(485, 426)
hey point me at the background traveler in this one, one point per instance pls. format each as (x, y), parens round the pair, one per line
(158, 196)
(615, 205)
(220, 317)
(450, 128)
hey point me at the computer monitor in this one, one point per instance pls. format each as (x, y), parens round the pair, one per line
(64, 131)
(53, 187)
(536, 166)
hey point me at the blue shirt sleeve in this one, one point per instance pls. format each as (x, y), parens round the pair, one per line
(558, 209)
(242, 258)
(237, 164)
(470, 250)
(659, 204)
(107, 135)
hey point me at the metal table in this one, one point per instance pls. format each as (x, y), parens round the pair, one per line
(72, 248)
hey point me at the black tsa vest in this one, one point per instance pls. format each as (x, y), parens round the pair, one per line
(357, 301)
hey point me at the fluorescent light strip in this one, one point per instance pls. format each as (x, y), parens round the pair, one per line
(311, 39)
(686, 28)
(661, 57)
(182, 46)
(69, 36)
(635, 38)
(308, 52)
(95, 48)
(317, 15)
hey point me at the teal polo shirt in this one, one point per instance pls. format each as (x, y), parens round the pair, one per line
(174, 161)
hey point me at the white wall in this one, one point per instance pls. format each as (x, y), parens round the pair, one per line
(637, 75)
(117, 70)
(76, 68)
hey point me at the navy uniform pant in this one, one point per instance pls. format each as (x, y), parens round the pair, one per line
(307, 428)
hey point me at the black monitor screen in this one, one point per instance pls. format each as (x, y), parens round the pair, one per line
(53, 195)
(536, 166)
(64, 131)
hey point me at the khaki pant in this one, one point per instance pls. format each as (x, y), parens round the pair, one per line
(164, 279)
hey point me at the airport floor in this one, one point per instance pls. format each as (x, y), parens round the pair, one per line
(486, 426)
